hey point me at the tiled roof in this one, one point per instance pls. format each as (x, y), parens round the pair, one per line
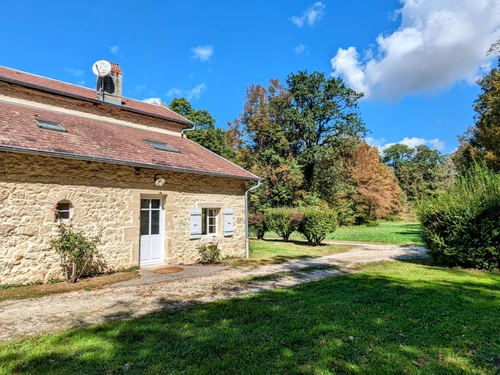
(91, 139)
(63, 88)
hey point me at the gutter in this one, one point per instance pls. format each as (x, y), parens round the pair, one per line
(187, 129)
(67, 155)
(247, 252)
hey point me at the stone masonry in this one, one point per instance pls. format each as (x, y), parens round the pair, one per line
(106, 200)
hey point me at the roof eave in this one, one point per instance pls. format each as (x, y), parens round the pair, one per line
(123, 162)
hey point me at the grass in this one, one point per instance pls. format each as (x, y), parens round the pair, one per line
(391, 318)
(13, 292)
(264, 252)
(398, 233)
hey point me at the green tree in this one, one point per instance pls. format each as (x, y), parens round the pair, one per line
(322, 114)
(481, 143)
(486, 135)
(205, 134)
(421, 172)
(297, 135)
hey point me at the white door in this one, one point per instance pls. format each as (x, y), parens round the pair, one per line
(151, 231)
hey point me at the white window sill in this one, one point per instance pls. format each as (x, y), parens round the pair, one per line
(210, 237)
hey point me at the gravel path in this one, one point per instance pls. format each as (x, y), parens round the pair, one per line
(63, 311)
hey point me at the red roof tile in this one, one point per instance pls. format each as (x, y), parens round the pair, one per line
(97, 140)
(64, 88)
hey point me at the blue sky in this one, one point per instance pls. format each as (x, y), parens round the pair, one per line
(416, 59)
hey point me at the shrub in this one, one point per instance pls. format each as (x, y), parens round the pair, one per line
(76, 251)
(283, 221)
(316, 224)
(461, 227)
(257, 225)
(209, 254)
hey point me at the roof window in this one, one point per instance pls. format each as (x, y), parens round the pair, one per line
(161, 146)
(49, 125)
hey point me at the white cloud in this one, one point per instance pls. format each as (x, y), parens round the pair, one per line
(156, 101)
(195, 92)
(300, 48)
(438, 43)
(411, 142)
(81, 83)
(174, 92)
(347, 63)
(310, 15)
(114, 49)
(203, 53)
(436, 143)
(75, 72)
(375, 142)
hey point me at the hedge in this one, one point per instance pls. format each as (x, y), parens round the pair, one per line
(461, 227)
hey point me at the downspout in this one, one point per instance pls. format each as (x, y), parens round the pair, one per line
(247, 253)
(186, 130)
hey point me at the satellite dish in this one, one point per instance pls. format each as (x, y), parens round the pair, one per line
(101, 68)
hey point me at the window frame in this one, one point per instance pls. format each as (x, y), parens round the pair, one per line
(58, 212)
(205, 221)
(162, 146)
(51, 125)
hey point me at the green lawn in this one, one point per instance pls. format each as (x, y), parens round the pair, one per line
(399, 233)
(391, 318)
(276, 252)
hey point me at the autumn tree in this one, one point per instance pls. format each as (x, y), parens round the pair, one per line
(264, 148)
(377, 193)
(205, 134)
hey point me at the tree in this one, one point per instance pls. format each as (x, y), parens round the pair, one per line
(205, 134)
(421, 172)
(322, 113)
(378, 194)
(481, 143)
(297, 135)
(485, 138)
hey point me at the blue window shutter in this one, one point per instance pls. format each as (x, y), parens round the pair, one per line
(228, 222)
(195, 230)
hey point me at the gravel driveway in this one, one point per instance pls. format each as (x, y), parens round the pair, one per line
(131, 299)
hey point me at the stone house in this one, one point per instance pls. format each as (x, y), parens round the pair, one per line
(107, 165)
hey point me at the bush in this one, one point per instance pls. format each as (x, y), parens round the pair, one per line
(316, 224)
(76, 251)
(461, 227)
(257, 225)
(209, 254)
(283, 221)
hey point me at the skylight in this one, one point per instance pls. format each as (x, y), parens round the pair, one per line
(49, 125)
(161, 146)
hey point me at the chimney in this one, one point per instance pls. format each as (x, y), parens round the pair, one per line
(111, 85)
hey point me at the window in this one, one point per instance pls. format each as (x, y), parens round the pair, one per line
(150, 216)
(63, 211)
(161, 146)
(209, 220)
(49, 125)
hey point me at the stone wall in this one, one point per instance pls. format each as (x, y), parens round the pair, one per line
(106, 200)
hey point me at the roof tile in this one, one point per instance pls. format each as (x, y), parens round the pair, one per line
(86, 93)
(89, 139)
